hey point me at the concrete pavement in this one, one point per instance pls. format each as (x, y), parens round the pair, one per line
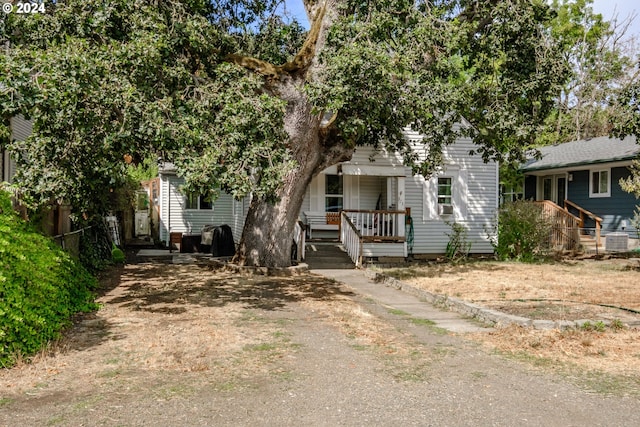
(399, 300)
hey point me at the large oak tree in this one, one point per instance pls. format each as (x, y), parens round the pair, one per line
(244, 100)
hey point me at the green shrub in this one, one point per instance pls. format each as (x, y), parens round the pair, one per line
(41, 287)
(458, 247)
(521, 232)
(95, 247)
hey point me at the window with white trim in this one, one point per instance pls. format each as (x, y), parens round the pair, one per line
(334, 193)
(600, 183)
(445, 195)
(197, 201)
(445, 191)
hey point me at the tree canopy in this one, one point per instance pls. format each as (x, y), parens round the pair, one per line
(193, 82)
(603, 66)
(245, 100)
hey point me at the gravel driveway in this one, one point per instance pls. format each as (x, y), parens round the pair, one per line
(184, 346)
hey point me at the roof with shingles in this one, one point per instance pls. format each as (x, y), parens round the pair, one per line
(584, 152)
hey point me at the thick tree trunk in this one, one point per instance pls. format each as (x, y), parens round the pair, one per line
(268, 229)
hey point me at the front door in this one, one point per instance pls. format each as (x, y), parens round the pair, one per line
(561, 194)
(554, 188)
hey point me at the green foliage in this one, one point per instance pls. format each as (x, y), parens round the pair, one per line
(106, 79)
(41, 286)
(520, 232)
(632, 185)
(203, 85)
(598, 326)
(117, 255)
(95, 247)
(460, 61)
(586, 105)
(457, 247)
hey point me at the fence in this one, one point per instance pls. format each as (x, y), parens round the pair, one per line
(71, 241)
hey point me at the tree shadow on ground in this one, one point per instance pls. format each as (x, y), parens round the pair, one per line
(173, 289)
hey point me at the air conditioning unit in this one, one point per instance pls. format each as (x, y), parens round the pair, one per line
(445, 209)
(617, 242)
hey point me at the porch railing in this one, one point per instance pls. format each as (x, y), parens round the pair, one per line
(565, 230)
(378, 225)
(351, 239)
(582, 213)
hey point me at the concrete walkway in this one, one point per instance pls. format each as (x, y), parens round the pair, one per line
(399, 300)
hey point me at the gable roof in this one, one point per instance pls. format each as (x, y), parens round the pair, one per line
(584, 152)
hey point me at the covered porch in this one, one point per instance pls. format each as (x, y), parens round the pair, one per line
(360, 205)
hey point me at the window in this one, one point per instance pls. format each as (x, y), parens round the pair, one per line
(333, 193)
(196, 201)
(444, 191)
(445, 196)
(600, 185)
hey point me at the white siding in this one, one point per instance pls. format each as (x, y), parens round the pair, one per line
(383, 250)
(481, 202)
(175, 219)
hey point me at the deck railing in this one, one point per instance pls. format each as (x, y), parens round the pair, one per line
(378, 225)
(565, 230)
(582, 213)
(351, 239)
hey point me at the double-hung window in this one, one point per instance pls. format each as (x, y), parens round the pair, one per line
(445, 195)
(197, 201)
(600, 183)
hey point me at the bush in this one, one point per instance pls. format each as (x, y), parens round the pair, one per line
(41, 287)
(458, 247)
(522, 232)
(95, 247)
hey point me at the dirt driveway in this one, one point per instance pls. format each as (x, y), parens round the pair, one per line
(184, 345)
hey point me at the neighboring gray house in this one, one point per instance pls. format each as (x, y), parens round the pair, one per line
(376, 192)
(587, 174)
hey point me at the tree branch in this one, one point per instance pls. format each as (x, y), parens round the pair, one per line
(300, 62)
(304, 57)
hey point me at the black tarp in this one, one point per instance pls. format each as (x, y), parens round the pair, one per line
(223, 244)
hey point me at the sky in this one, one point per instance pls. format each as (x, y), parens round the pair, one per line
(623, 9)
(608, 8)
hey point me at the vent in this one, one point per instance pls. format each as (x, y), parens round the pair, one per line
(445, 209)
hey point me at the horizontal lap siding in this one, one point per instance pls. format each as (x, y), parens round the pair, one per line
(430, 236)
(613, 210)
(179, 220)
(383, 249)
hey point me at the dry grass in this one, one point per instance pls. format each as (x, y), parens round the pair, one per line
(570, 290)
(559, 291)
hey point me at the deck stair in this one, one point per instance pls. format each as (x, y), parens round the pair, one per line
(327, 256)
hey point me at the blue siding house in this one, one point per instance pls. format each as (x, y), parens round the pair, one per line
(586, 173)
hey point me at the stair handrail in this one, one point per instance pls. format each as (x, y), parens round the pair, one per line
(591, 215)
(351, 238)
(565, 225)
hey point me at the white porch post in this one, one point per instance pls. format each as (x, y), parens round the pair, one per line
(401, 207)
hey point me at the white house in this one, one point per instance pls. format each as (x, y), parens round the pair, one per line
(375, 192)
